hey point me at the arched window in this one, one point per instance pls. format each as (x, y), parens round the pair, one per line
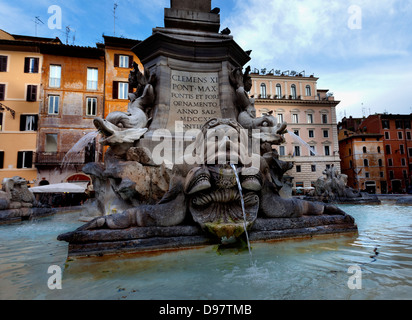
(366, 162)
(279, 91)
(263, 90)
(364, 149)
(308, 90)
(293, 91)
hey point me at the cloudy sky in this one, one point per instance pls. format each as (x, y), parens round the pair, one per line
(361, 50)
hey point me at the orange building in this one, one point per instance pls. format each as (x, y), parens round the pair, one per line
(311, 116)
(20, 93)
(118, 62)
(363, 160)
(72, 96)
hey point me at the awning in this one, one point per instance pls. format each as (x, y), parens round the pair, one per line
(61, 188)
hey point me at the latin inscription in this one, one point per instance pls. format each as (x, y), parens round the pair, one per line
(194, 98)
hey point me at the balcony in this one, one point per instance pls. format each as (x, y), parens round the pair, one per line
(62, 158)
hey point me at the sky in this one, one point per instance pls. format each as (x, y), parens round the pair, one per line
(361, 50)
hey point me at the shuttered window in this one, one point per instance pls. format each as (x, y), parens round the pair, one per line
(31, 93)
(24, 159)
(31, 65)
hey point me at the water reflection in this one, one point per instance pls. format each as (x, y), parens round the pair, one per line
(300, 269)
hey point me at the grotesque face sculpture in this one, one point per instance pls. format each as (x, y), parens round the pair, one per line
(215, 200)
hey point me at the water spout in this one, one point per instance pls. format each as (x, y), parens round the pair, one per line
(243, 209)
(77, 150)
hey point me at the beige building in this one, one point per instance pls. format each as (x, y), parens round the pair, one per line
(20, 84)
(311, 116)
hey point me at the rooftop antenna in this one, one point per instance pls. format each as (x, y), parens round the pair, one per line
(37, 21)
(114, 18)
(67, 34)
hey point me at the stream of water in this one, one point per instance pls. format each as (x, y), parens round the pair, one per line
(315, 268)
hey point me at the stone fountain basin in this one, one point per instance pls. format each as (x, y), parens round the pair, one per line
(143, 239)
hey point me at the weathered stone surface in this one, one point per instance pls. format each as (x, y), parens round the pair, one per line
(16, 215)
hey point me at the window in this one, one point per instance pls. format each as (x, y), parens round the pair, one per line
(401, 149)
(410, 152)
(280, 118)
(263, 90)
(54, 104)
(366, 174)
(379, 149)
(28, 122)
(385, 124)
(350, 164)
(31, 93)
(312, 150)
(387, 135)
(325, 133)
(311, 134)
(407, 124)
(388, 149)
(403, 162)
(24, 159)
(391, 174)
(293, 91)
(1, 159)
(123, 90)
(408, 135)
(365, 162)
(51, 142)
(281, 150)
(398, 124)
(92, 75)
(298, 168)
(3, 63)
(55, 76)
(310, 118)
(279, 91)
(297, 151)
(364, 149)
(2, 91)
(380, 162)
(400, 135)
(295, 118)
(91, 106)
(327, 151)
(313, 167)
(123, 61)
(1, 121)
(31, 65)
(324, 118)
(350, 151)
(308, 91)
(296, 132)
(120, 90)
(381, 174)
(390, 162)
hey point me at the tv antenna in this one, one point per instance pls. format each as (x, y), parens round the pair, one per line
(67, 34)
(37, 21)
(114, 18)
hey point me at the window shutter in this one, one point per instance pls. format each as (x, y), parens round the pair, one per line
(19, 160)
(26, 65)
(2, 91)
(29, 159)
(36, 120)
(31, 93)
(3, 63)
(115, 89)
(1, 159)
(130, 62)
(116, 59)
(22, 122)
(36, 65)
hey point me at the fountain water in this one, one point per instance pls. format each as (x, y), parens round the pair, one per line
(242, 201)
(302, 142)
(78, 149)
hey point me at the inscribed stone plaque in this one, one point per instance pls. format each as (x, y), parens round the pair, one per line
(194, 99)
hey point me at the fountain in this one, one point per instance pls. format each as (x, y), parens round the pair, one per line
(190, 164)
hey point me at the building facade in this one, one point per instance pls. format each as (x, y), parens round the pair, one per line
(72, 96)
(20, 95)
(312, 142)
(363, 160)
(397, 147)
